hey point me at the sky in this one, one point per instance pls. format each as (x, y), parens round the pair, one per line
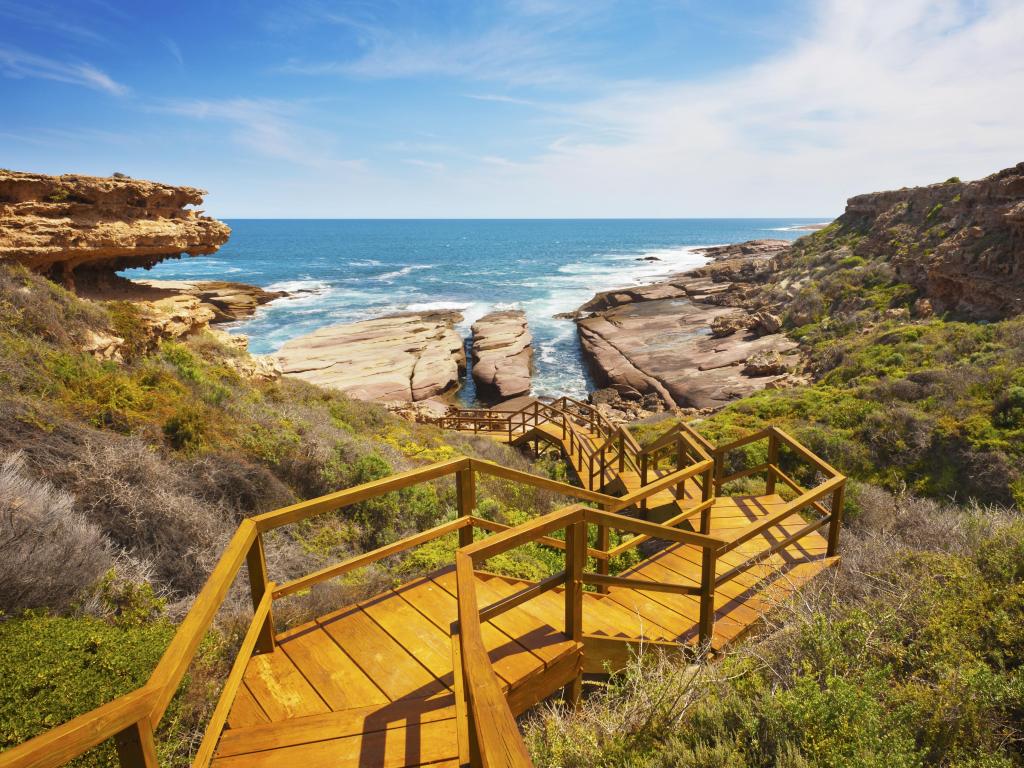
(515, 108)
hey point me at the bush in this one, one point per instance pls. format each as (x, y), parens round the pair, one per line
(52, 554)
(55, 669)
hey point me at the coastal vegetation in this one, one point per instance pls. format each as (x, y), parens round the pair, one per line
(121, 480)
(124, 469)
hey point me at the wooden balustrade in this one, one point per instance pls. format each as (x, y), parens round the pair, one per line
(488, 735)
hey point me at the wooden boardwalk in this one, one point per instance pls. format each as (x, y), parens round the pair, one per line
(432, 671)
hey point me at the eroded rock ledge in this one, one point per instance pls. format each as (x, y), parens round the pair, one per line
(62, 225)
(406, 357)
(658, 339)
(502, 355)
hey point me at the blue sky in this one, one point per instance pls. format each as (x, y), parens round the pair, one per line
(521, 108)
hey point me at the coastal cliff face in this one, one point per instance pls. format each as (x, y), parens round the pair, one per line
(61, 226)
(960, 244)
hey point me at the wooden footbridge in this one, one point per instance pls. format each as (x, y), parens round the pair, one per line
(434, 671)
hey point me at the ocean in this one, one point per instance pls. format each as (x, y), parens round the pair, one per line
(343, 270)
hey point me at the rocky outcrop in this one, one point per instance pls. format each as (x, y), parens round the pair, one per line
(63, 225)
(407, 357)
(229, 301)
(502, 355)
(666, 347)
(961, 244)
(692, 340)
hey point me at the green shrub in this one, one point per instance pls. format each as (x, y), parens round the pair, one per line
(55, 669)
(186, 430)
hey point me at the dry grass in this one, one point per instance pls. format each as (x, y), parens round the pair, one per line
(52, 554)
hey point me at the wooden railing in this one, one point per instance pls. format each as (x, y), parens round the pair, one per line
(494, 738)
(598, 450)
(132, 719)
(809, 502)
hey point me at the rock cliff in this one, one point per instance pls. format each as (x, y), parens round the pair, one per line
(406, 357)
(502, 355)
(61, 226)
(960, 244)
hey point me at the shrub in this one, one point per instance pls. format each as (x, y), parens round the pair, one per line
(51, 553)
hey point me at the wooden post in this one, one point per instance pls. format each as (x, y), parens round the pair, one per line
(465, 491)
(837, 518)
(575, 562)
(707, 492)
(136, 747)
(643, 482)
(622, 450)
(257, 563)
(680, 459)
(719, 458)
(773, 459)
(707, 596)
(602, 563)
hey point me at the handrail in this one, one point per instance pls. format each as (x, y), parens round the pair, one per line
(132, 718)
(498, 742)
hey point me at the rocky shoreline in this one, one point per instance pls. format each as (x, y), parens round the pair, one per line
(686, 340)
(502, 356)
(403, 357)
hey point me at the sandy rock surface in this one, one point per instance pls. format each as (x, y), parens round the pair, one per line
(502, 355)
(407, 357)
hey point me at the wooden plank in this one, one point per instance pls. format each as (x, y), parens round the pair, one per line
(419, 636)
(368, 558)
(612, 654)
(388, 664)
(64, 742)
(280, 689)
(497, 736)
(246, 711)
(256, 633)
(392, 748)
(175, 660)
(306, 509)
(339, 680)
(513, 634)
(350, 722)
(439, 605)
(538, 687)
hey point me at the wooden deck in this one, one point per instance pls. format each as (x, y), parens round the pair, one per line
(432, 672)
(372, 683)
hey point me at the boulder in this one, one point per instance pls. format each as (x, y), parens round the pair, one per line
(502, 355)
(407, 357)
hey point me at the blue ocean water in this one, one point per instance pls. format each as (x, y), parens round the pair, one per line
(346, 270)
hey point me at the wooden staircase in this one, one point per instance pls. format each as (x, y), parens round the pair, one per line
(433, 671)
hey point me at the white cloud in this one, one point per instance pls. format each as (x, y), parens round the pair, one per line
(17, 64)
(879, 94)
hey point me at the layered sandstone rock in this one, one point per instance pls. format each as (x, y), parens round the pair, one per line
(502, 355)
(961, 244)
(666, 347)
(62, 225)
(407, 357)
(230, 301)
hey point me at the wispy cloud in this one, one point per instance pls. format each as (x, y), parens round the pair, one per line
(174, 50)
(530, 44)
(17, 64)
(430, 165)
(877, 94)
(267, 127)
(50, 18)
